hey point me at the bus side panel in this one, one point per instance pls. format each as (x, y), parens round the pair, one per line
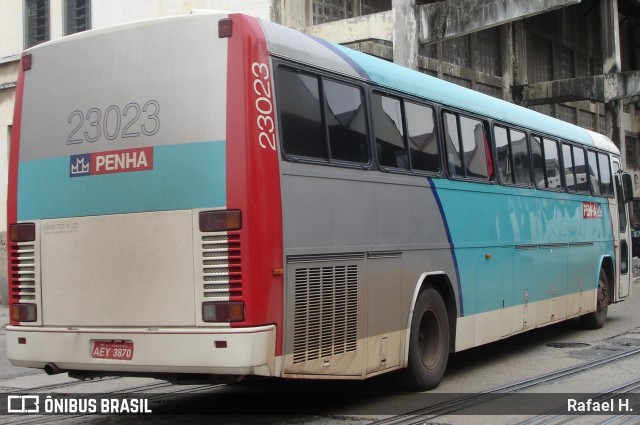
(551, 273)
(253, 176)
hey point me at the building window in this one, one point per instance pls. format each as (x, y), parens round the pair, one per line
(368, 7)
(587, 119)
(335, 10)
(331, 10)
(631, 147)
(37, 22)
(564, 61)
(585, 65)
(567, 113)
(78, 16)
(542, 60)
(487, 52)
(456, 51)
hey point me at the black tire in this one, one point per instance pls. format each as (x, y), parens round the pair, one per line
(596, 319)
(428, 344)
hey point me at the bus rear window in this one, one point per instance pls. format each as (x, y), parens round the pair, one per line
(300, 114)
(321, 118)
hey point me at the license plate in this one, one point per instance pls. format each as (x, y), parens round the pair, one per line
(112, 350)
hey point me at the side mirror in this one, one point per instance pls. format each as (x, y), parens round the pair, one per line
(627, 187)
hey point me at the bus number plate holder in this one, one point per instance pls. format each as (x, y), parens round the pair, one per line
(112, 350)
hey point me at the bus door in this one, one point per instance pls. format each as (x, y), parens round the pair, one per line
(622, 230)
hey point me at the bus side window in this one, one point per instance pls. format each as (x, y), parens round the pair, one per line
(452, 142)
(302, 129)
(423, 143)
(538, 162)
(580, 170)
(569, 169)
(389, 132)
(606, 187)
(503, 151)
(593, 174)
(468, 152)
(347, 122)
(520, 152)
(552, 164)
(475, 148)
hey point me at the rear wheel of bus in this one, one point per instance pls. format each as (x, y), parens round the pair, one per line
(429, 342)
(596, 319)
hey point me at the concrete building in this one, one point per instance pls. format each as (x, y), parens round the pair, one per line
(577, 60)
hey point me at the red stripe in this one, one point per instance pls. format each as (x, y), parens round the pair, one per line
(253, 176)
(12, 190)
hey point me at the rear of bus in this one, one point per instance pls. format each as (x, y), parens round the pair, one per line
(144, 212)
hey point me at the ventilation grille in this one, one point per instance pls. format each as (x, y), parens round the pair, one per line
(221, 269)
(326, 312)
(23, 272)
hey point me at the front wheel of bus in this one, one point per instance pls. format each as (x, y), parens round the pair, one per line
(428, 343)
(596, 319)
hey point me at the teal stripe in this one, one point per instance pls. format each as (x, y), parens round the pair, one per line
(487, 223)
(184, 176)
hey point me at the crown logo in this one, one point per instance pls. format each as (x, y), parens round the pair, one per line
(80, 165)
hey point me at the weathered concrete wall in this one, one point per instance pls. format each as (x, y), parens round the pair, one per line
(454, 18)
(378, 26)
(405, 33)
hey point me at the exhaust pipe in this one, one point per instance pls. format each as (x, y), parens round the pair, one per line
(52, 369)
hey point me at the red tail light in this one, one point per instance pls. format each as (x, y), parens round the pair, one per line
(225, 28)
(220, 221)
(24, 313)
(223, 311)
(27, 61)
(22, 232)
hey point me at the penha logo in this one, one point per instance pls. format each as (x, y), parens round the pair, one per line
(80, 165)
(112, 162)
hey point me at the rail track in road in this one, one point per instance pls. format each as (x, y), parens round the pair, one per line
(167, 395)
(472, 401)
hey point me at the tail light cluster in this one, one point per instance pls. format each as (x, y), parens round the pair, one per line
(223, 221)
(22, 272)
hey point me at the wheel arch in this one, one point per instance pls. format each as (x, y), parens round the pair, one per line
(606, 264)
(441, 282)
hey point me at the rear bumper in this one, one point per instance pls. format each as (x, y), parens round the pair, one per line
(228, 351)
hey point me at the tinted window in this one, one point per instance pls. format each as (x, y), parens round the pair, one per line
(503, 153)
(594, 179)
(569, 176)
(538, 162)
(520, 152)
(606, 188)
(423, 143)
(467, 146)
(580, 169)
(347, 122)
(301, 126)
(513, 156)
(389, 132)
(452, 142)
(552, 164)
(475, 148)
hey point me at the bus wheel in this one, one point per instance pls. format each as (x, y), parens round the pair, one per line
(596, 319)
(428, 343)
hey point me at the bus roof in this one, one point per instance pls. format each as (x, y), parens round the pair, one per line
(291, 44)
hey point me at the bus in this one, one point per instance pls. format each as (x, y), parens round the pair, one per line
(216, 196)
